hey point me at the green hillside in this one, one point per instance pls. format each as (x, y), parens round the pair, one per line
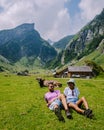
(86, 41)
(5, 65)
(22, 105)
(29, 63)
(61, 44)
(96, 56)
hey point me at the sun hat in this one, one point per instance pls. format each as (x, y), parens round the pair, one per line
(71, 81)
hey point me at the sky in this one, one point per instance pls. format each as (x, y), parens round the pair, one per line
(54, 19)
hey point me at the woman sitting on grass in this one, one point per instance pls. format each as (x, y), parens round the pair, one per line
(71, 93)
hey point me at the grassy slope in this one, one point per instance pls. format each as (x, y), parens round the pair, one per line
(31, 64)
(5, 63)
(96, 56)
(22, 105)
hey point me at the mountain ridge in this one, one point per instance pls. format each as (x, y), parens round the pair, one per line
(22, 41)
(25, 41)
(87, 40)
(24, 46)
(83, 43)
(61, 44)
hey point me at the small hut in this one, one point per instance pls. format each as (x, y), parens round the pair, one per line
(75, 72)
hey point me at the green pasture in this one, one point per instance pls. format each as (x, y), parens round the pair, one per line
(22, 105)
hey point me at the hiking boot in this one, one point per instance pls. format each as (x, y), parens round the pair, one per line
(59, 115)
(91, 116)
(88, 113)
(68, 114)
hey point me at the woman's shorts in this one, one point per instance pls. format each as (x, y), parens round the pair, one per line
(55, 102)
(72, 100)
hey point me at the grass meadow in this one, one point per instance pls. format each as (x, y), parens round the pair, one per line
(22, 105)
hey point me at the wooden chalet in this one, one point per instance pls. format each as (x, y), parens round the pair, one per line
(75, 72)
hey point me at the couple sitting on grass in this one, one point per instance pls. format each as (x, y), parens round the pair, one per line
(56, 101)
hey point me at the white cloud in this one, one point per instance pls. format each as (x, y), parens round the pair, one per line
(60, 26)
(90, 8)
(52, 20)
(47, 16)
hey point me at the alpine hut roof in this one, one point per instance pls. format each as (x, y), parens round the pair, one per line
(79, 69)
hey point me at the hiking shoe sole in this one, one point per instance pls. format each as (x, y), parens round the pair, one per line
(88, 113)
(68, 115)
(59, 115)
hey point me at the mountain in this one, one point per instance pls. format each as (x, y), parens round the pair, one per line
(25, 41)
(97, 55)
(87, 40)
(61, 44)
(23, 47)
(50, 42)
(83, 44)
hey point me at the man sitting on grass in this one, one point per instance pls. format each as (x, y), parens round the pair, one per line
(55, 100)
(71, 93)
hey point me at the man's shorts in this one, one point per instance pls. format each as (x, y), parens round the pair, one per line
(73, 100)
(55, 102)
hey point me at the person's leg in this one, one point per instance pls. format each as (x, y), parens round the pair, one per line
(58, 113)
(63, 99)
(75, 107)
(84, 101)
(87, 112)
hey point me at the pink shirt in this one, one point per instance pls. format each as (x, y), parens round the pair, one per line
(51, 95)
